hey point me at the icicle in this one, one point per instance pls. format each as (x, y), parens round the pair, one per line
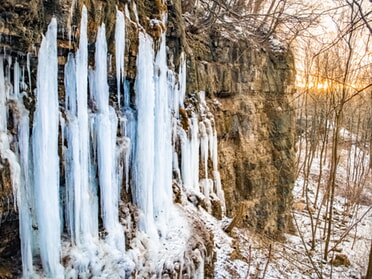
(214, 156)
(122, 85)
(81, 192)
(218, 188)
(25, 215)
(106, 127)
(213, 145)
(195, 142)
(182, 80)
(23, 81)
(144, 155)
(25, 198)
(162, 188)
(134, 8)
(202, 100)
(131, 135)
(178, 87)
(126, 94)
(8, 84)
(190, 155)
(209, 134)
(5, 138)
(206, 185)
(186, 160)
(19, 167)
(89, 200)
(73, 190)
(128, 128)
(17, 79)
(109, 62)
(2, 97)
(201, 140)
(191, 144)
(70, 85)
(69, 19)
(204, 147)
(45, 154)
(29, 70)
(120, 49)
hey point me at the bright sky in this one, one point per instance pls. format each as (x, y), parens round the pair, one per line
(325, 33)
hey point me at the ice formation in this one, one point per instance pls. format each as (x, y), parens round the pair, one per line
(120, 51)
(145, 145)
(45, 155)
(81, 192)
(69, 174)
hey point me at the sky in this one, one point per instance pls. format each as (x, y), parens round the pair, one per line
(331, 24)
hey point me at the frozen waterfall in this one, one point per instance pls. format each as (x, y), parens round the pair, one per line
(45, 155)
(12, 95)
(81, 189)
(106, 124)
(145, 146)
(74, 159)
(163, 141)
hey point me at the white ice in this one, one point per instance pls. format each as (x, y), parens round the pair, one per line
(45, 155)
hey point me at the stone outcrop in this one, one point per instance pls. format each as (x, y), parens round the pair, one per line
(249, 86)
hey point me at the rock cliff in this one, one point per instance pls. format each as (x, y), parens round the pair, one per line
(247, 85)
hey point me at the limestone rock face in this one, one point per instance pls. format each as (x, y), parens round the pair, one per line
(249, 86)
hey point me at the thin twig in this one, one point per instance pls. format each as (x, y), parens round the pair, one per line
(349, 229)
(307, 251)
(249, 261)
(267, 263)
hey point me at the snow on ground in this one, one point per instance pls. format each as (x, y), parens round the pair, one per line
(243, 254)
(352, 223)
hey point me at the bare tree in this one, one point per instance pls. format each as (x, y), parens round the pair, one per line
(335, 81)
(258, 19)
(369, 271)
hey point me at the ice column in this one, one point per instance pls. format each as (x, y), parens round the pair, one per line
(25, 197)
(182, 81)
(45, 154)
(163, 141)
(125, 112)
(145, 147)
(73, 190)
(2, 97)
(204, 147)
(186, 163)
(205, 183)
(199, 142)
(179, 87)
(106, 127)
(82, 204)
(130, 134)
(190, 142)
(209, 152)
(214, 155)
(194, 145)
(19, 167)
(120, 50)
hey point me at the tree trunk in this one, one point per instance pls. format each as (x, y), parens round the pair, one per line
(369, 271)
